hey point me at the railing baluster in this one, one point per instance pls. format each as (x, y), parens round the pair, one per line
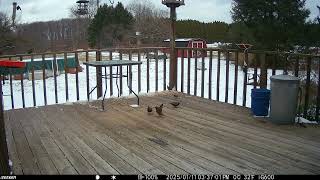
(11, 88)
(227, 77)
(255, 74)
(98, 75)
(44, 79)
(235, 89)
(65, 59)
(202, 73)
(130, 69)
(218, 75)
(77, 75)
(55, 77)
(210, 76)
(189, 70)
(263, 71)
(148, 72)
(175, 75)
(165, 72)
(182, 70)
(87, 76)
(274, 61)
(33, 84)
(139, 71)
(245, 70)
(307, 94)
(195, 74)
(296, 67)
(121, 85)
(318, 95)
(111, 79)
(22, 86)
(157, 69)
(11, 91)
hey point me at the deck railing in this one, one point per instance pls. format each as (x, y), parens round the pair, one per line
(71, 82)
(225, 75)
(232, 73)
(201, 72)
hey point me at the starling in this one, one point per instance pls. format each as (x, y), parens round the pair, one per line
(159, 110)
(171, 88)
(149, 109)
(302, 125)
(175, 104)
(30, 51)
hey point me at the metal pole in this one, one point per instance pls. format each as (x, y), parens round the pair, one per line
(173, 59)
(14, 10)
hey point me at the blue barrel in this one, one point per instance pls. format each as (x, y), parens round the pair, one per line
(260, 102)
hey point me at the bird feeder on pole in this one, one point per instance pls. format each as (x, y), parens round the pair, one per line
(14, 12)
(173, 4)
(82, 8)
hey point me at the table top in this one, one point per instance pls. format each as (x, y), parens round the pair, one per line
(112, 63)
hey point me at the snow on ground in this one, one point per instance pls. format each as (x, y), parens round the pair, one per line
(92, 81)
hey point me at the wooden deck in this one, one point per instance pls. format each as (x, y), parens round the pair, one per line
(200, 137)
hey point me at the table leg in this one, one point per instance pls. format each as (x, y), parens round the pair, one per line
(130, 86)
(105, 91)
(88, 84)
(117, 80)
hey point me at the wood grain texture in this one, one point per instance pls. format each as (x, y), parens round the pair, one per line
(201, 136)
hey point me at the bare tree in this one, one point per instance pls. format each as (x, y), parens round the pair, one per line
(151, 22)
(6, 35)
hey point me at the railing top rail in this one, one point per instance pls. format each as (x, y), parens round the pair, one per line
(150, 48)
(81, 51)
(251, 51)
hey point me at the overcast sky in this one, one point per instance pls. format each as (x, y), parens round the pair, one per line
(202, 10)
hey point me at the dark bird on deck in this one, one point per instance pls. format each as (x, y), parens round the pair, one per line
(149, 109)
(175, 104)
(30, 51)
(159, 110)
(302, 125)
(18, 8)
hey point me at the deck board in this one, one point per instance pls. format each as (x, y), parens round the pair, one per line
(200, 137)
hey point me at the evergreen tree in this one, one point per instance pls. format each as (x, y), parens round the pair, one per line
(275, 24)
(109, 26)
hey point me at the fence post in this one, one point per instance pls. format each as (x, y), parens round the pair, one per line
(98, 75)
(4, 164)
(263, 75)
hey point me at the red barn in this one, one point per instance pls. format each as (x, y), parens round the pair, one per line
(188, 43)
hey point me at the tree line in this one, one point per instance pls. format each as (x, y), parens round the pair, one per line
(269, 25)
(239, 32)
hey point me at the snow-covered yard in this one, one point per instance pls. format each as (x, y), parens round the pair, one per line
(92, 80)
